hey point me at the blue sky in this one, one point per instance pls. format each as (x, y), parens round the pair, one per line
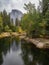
(15, 4)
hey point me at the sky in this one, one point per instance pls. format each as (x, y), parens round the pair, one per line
(8, 5)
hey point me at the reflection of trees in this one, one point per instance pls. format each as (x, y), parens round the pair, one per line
(26, 53)
(44, 57)
(1, 58)
(4, 46)
(40, 57)
(30, 54)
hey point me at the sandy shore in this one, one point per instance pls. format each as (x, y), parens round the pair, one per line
(38, 42)
(8, 34)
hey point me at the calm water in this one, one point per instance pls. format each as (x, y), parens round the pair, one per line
(20, 52)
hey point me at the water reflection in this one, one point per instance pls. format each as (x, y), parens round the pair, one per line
(13, 57)
(20, 52)
(33, 56)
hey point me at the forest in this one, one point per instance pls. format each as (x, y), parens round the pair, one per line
(35, 22)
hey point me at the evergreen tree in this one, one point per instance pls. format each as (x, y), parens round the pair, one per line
(45, 6)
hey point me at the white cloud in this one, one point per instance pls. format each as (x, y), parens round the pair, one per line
(15, 4)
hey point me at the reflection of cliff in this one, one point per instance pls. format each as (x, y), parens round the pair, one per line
(14, 56)
(22, 53)
(16, 47)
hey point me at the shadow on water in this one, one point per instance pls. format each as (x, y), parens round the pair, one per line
(20, 52)
(33, 56)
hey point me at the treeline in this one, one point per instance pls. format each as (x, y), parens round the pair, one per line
(36, 21)
(6, 24)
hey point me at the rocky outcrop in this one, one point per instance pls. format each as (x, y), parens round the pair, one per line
(16, 14)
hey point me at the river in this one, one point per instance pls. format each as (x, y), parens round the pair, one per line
(14, 51)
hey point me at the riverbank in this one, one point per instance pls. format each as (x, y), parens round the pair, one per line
(7, 34)
(41, 43)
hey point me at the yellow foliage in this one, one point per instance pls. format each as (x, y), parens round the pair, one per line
(20, 30)
(41, 35)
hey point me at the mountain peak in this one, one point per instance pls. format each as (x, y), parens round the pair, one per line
(16, 14)
(15, 10)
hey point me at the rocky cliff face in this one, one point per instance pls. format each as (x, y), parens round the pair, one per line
(16, 14)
